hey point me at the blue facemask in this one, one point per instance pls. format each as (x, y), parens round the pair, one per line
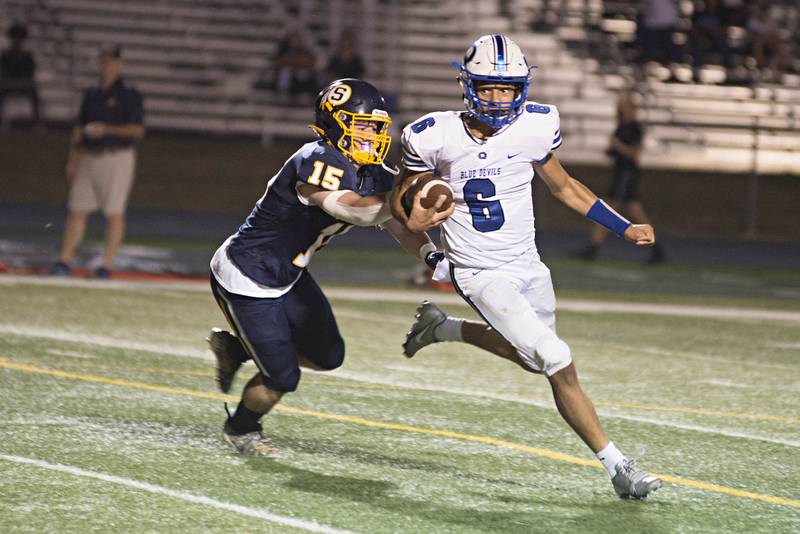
(492, 112)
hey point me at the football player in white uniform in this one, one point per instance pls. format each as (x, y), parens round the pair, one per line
(488, 155)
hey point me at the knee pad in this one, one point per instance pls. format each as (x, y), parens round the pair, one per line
(554, 354)
(285, 382)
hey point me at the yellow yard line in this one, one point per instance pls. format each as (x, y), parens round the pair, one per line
(544, 453)
(608, 404)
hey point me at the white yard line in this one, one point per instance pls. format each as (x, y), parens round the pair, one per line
(122, 285)
(102, 341)
(740, 361)
(202, 500)
(366, 378)
(386, 296)
(605, 412)
(574, 305)
(780, 345)
(703, 429)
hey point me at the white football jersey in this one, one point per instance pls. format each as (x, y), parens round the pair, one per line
(493, 221)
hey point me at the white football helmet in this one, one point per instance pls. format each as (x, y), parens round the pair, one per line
(494, 58)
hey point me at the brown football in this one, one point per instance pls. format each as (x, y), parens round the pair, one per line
(429, 186)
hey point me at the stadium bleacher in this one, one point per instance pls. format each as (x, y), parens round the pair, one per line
(198, 62)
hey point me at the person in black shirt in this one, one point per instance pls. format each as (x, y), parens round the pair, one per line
(101, 161)
(625, 149)
(18, 71)
(345, 61)
(709, 34)
(295, 66)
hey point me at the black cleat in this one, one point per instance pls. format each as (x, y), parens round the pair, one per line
(230, 356)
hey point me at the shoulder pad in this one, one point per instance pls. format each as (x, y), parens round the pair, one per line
(322, 165)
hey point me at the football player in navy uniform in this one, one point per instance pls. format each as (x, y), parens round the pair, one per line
(278, 314)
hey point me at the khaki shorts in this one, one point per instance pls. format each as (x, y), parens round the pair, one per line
(103, 181)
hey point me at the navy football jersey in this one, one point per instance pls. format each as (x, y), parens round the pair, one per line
(280, 235)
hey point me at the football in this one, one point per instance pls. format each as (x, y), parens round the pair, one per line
(429, 187)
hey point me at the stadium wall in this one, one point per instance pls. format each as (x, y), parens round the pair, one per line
(225, 174)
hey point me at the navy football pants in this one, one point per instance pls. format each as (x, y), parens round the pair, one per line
(275, 330)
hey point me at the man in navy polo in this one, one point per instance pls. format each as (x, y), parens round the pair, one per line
(101, 161)
(18, 71)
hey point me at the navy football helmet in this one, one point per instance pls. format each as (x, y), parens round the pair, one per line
(351, 115)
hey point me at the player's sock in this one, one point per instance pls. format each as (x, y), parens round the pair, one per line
(610, 457)
(449, 330)
(245, 420)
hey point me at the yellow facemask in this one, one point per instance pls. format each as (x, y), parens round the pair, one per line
(363, 146)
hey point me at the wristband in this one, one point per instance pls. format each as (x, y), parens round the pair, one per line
(433, 258)
(602, 214)
(425, 249)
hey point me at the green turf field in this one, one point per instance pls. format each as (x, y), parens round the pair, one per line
(111, 422)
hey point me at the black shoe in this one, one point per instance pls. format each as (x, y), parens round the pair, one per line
(102, 272)
(587, 254)
(59, 269)
(657, 256)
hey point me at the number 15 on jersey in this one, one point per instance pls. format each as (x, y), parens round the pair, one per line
(329, 180)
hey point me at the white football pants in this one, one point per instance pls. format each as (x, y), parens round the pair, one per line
(518, 301)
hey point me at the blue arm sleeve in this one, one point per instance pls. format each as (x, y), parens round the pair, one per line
(604, 215)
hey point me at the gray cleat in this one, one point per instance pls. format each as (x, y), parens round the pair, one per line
(250, 444)
(230, 356)
(631, 482)
(422, 332)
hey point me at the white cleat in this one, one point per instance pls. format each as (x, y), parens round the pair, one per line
(422, 332)
(631, 482)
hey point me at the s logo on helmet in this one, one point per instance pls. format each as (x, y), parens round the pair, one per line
(338, 95)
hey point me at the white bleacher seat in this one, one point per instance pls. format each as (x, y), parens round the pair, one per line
(196, 64)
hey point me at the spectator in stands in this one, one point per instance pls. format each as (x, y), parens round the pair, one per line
(766, 42)
(101, 160)
(625, 148)
(709, 34)
(345, 61)
(18, 71)
(295, 66)
(735, 13)
(658, 20)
